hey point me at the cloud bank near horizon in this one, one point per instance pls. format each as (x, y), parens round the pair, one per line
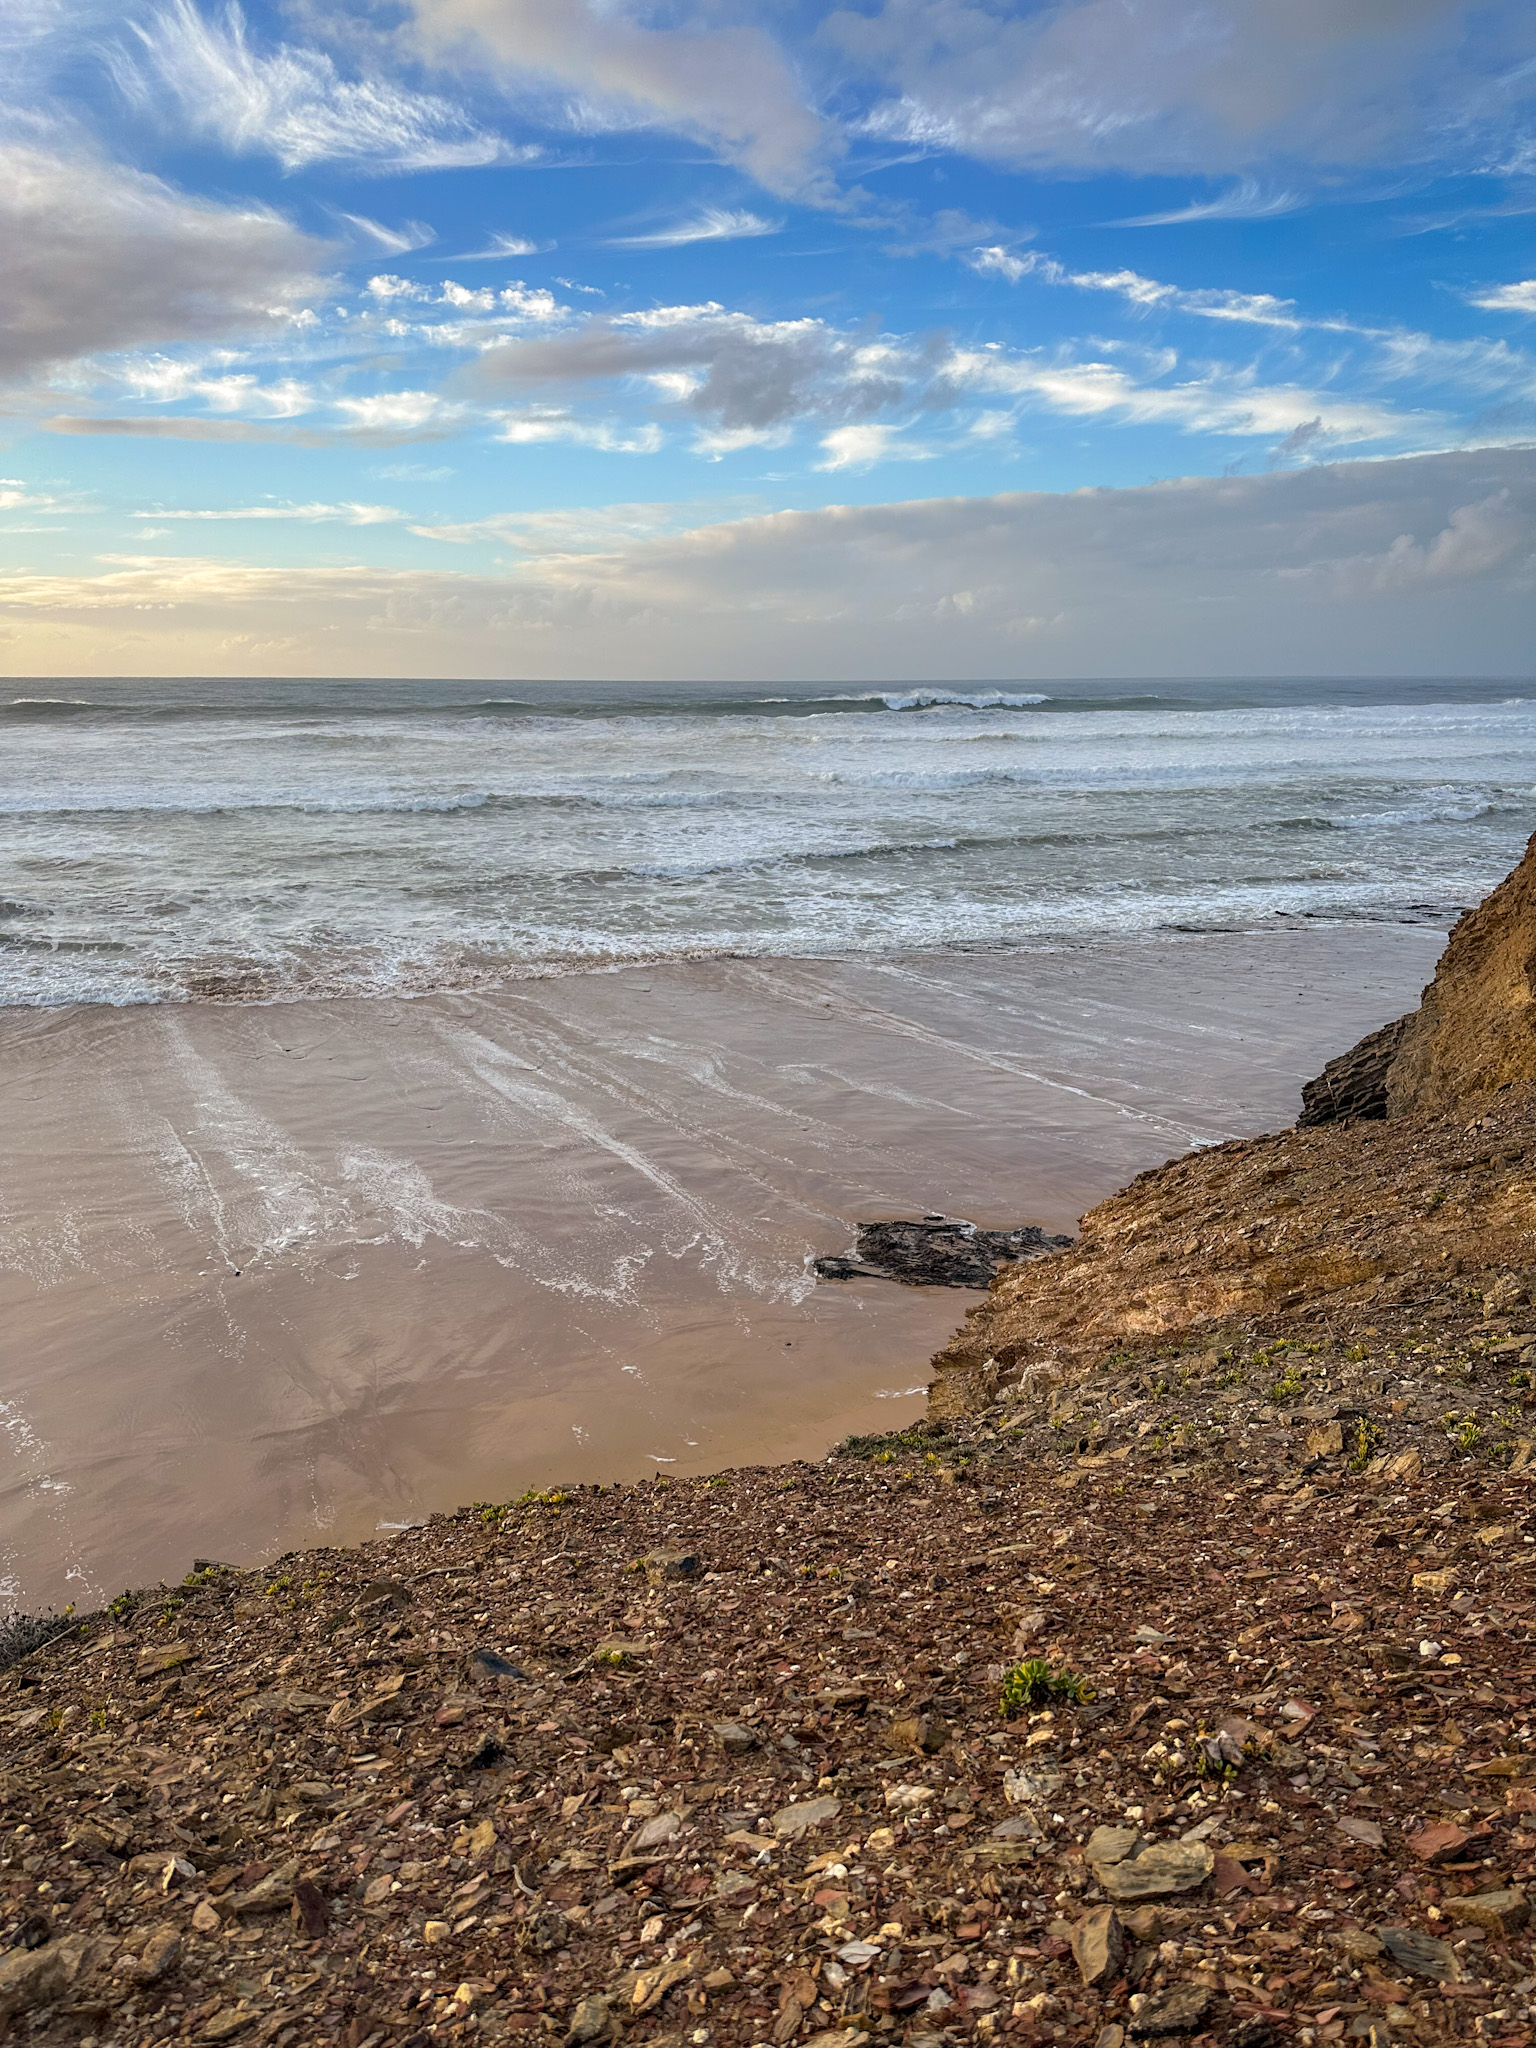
(1384, 568)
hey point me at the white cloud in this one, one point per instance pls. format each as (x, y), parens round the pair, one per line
(503, 247)
(390, 412)
(713, 224)
(15, 496)
(310, 515)
(599, 67)
(1214, 402)
(745, 382)
(1195, 577)
(168, 380)
(401, 241)
(1164, 86)
(294, 105)
(553, 423)
(98, 257)
(1246, 200)
(1259, 309)
(862, 447)
(1508, 298)
(386, 288)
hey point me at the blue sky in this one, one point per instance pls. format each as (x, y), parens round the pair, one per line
(527, 331)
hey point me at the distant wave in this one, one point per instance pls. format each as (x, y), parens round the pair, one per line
(928, 700)
(1434, 807)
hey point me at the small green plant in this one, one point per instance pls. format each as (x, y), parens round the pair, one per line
(1465, 1431)
(1233, 1377)
(1368, 1441)
(122, 1606)
(1034, 1684)
(1288, 1386)
(1355, 1355)
(1522, 1378)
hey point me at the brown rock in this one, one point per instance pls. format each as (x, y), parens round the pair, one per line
(268, 1893)
(33, 1977)
(1181, 2009)
(1500, 1912)
(1098, 1946)
(162, 1952)
(925, 1732)
(791, 1822)
(1130, 1868)
(1422, 1954)
(1442, 1842)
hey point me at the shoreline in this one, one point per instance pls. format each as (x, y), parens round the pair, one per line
(509, 979)
(280, 1274)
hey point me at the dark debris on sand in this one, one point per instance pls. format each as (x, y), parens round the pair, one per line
(936, 1252)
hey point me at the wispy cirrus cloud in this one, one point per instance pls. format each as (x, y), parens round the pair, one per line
(712, 224)
(1246, 200)
(740, 382)
(314, 514)
(1258, 309)
(293, 103)
(404, 240)
(502, 247)
(1164, 87)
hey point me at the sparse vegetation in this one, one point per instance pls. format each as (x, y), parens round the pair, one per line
(1033, 1683)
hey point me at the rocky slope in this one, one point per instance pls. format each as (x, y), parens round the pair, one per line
(738, 1760)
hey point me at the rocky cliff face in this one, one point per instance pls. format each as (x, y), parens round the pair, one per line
(1407, 1194)
(1475, 1031)
(1473, 1034)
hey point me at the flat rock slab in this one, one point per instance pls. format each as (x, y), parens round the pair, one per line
(1129, 1867)
(1181, 2009)
(1499, 1912)
(1421, 1954)
(941, 1252)
(791, 1822)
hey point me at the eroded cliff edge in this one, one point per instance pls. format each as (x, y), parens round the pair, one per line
(1403, 1204)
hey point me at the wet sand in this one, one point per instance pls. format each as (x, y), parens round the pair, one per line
(269, 1274)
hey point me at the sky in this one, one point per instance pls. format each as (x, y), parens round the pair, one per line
(915, 338)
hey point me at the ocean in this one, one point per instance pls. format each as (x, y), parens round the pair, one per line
(259, 841)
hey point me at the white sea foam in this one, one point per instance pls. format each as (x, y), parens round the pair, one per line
(289, 839)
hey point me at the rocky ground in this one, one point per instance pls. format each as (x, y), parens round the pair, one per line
(728, 1760)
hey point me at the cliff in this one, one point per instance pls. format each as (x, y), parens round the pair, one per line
(1475, 1030)
(1473, 1033)
(1407, 1193)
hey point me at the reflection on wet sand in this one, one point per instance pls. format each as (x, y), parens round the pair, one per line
(268, 1273)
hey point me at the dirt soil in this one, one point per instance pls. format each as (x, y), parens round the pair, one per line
(1416, 1235)
(726, 1760)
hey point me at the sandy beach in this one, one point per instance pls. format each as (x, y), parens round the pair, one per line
(277, 1274)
